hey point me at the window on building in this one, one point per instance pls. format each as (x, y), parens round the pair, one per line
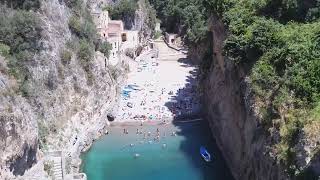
(124, 37)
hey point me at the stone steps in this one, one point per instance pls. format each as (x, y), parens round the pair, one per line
(57, 168)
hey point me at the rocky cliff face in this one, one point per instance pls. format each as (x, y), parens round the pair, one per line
(63, 111)
(18, 128)
(231, 113)
(234, 118)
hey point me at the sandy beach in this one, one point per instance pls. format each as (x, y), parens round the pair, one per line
(158, 90)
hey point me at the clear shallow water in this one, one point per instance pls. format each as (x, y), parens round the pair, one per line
(112, 158)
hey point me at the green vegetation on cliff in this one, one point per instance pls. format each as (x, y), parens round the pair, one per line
(284, 51)
(279, 42)
(20, 33)
(22, 4)
(124, 9)
(183, 16)
(85, 39)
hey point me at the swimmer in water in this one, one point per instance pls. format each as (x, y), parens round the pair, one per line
(136, 155)
(164, 145)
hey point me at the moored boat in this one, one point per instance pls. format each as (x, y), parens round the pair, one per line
(205, 154)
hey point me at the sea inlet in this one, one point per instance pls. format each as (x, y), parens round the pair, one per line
(174, 156)
(157, 89)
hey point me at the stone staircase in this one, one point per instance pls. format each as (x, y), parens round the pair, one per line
(57, 168)
(168, 53)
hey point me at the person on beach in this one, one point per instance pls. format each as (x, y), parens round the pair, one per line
(137, 131)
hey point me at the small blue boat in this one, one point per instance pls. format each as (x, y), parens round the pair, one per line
(127, 89)
(205, 154)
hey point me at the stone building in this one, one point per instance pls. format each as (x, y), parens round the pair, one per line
(113, 32)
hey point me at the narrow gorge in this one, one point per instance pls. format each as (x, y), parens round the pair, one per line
(152, 81)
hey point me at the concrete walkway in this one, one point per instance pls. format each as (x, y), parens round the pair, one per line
(168, 54)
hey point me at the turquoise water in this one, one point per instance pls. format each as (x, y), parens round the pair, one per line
(112, 158)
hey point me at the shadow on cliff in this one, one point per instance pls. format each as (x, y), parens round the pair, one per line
(186, 105)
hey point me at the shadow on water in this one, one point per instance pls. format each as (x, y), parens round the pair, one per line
(187, 107)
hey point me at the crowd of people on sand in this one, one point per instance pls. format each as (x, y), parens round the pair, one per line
(145, 98)
(148, 137)
(148, 133)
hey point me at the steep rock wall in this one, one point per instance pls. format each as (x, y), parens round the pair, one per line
(63, 110)
(230, 110)
(18, 128)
